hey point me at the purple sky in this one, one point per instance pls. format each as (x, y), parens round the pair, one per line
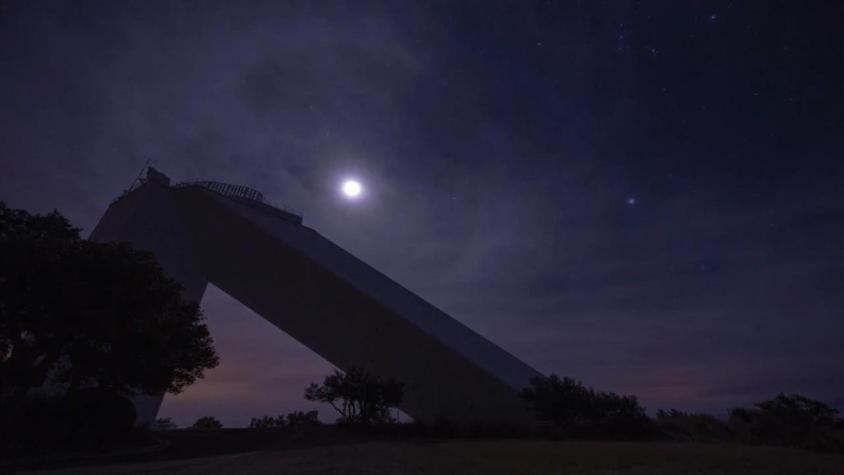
(645, 196)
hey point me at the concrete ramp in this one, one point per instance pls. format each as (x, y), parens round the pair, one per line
(324, 297)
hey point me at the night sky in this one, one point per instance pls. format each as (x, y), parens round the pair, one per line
(646, 196)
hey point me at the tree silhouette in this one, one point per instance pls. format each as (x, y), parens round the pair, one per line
(33, 251)
(359, 397)
(91, 315)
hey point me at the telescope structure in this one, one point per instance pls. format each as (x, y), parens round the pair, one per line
(324, 297)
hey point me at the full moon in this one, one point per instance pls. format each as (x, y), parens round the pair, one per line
(352, 188)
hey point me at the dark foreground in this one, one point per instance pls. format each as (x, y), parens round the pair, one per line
(494, 457)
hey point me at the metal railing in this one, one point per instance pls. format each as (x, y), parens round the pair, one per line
(226, 189)
(243, 192)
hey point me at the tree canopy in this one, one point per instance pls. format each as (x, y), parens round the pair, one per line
(359, 396)
(89, 314)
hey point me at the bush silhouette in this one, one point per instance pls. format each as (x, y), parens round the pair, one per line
(267, 423)
(693, 427)
(794, 421)
(207, 423)
(303, 419)
(294, 419)
(583, 412)
(164, 423)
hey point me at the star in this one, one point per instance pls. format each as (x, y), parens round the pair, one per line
(632, 201)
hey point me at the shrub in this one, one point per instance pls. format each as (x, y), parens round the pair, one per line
(302, 419)
(207, 423)
(794, 421)
(165, 423)
(692, 427)
(583, 412)
(293, 419)
(267, 423)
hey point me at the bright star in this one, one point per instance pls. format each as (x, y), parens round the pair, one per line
(632, 201)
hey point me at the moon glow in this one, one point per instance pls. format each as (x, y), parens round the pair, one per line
(352, 189)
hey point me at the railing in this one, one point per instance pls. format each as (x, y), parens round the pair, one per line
(243, 192)
(226, 189)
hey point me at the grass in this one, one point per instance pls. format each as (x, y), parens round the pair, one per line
(501, 457)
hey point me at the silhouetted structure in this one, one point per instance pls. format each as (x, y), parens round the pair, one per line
(333, 303)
